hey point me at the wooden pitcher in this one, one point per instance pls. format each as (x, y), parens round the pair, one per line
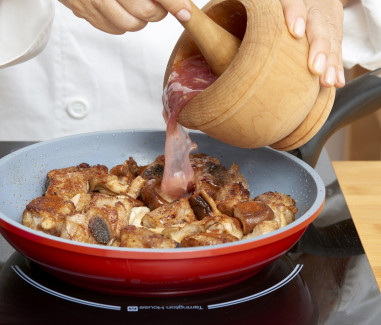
(267, 95)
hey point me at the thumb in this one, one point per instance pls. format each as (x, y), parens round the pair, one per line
(181, 9)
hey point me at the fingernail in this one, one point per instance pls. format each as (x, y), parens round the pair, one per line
(300, 27)
(183, 15)
(330, 76)
(319, 63)
(341, 77)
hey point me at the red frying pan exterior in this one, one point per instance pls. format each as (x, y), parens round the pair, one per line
(149, 273)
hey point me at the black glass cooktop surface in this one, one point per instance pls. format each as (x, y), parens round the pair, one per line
(324, 279)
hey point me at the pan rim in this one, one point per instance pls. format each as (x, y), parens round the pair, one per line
(299, 224)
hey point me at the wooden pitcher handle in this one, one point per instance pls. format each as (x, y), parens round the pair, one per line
(218, 46)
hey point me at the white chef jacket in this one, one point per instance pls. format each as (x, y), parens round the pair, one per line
(84, 80)
(362, 34)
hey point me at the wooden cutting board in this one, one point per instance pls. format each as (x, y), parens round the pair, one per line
(360, 182)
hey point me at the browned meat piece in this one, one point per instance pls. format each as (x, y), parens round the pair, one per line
(136, 186)
(154, 170)
(100, 228)
(112, 185)
(134, 168)
(207, 239)
(283, 205)
(77, 229)
(263, 228)
(206, 173)
(108, 214)
(68, 182)
(136, 237)
(210, 202)
(137, 214)
(81, 201)
(210, 175)
(129, 169)
(224, 225)
(95, 230)
(121, 180)
(233, 191)
(172, 214)
(103, 224)
(109, 184)
(47, 213)
(135, 202)
(99, 200)
(200, 207)
(179, 233)
(251, 214)
(150, 194)
(121, 170)
(235, 176)
(229, 195)
(101, 221)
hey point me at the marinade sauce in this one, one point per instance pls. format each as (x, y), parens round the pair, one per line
(188, 78)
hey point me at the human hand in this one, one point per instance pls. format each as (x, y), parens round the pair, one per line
(322, 22)
(120, 16)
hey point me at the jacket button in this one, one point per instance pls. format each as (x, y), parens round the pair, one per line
(78, 109)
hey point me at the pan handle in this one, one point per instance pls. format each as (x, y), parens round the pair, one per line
(357, 99)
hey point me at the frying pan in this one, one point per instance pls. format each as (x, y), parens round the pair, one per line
(180, 271)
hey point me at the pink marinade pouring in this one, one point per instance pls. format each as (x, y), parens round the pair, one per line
(188, 78)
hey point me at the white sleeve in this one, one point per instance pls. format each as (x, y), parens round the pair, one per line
(362, 35)
(24, 29)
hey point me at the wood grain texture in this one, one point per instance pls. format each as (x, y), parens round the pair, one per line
(360, 182)
(267, 91)
(209, 37)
